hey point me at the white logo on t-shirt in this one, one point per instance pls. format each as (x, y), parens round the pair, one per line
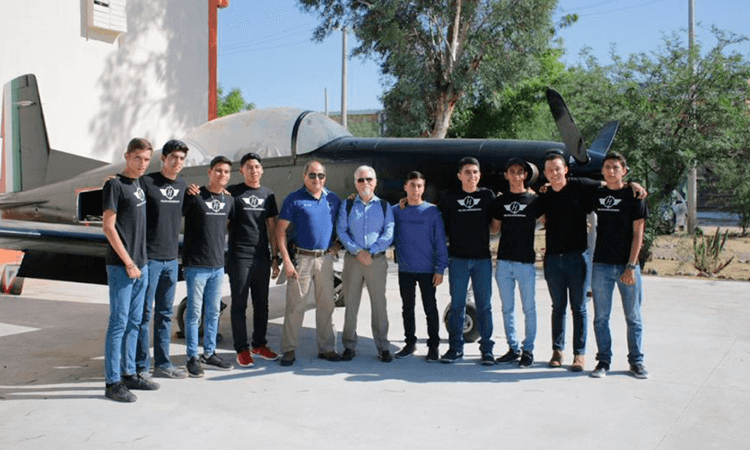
(469, 201)
(515, 207)
(608, 202)
(139, 194)
(215, 205)
(253, 201)
(169, 192)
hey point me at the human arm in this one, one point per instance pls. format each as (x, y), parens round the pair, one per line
(289, 269)
(639, 191)
(271, 224)
(628, 276)
(437, 279)
(108, 226)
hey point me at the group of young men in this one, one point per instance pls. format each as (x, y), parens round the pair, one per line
(142, 216)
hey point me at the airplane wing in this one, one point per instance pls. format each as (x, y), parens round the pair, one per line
(57, 251)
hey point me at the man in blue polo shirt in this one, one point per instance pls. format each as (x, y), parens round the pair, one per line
(311, 211)
(365, 227)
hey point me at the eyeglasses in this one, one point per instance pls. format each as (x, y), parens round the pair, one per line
(313, 175)
(362, 180)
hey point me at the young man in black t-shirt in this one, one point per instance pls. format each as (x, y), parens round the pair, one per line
(165, 192)
(251, 229)
(206, 216)
(468, 224)
(517, 212)
(124, 225)
(621, 222)
(565, 205)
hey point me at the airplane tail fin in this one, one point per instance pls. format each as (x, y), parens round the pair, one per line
(25, 147)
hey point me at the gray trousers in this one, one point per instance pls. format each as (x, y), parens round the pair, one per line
(355, 275)
(318, 270)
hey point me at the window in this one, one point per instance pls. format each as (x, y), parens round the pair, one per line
(108, 15)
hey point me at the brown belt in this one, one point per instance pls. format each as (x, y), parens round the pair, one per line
(315, 253)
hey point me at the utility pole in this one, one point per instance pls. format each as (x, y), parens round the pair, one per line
(325, 95)
(692, 185)
(343, 78)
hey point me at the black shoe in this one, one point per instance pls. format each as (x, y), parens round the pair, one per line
(511, 356)
(194, 368)
(141, 382)
(288, 358)
(432, 355)
(639, 371)
(215, 362)
(330, 356)
(488, 359)
(385, 356)
(119, 393)
(527, 359)
(348, 354)
(601, 370)
(407, 351)
(451, 355)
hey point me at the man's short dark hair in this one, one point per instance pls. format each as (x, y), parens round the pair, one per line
(414, 175)
(617, 156)
(555, 154)
(220, 160)
(467, 160)
(139, 144)
(249, 156)
(173, 145)
(516, 161)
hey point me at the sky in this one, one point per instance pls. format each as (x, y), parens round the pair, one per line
(266, 47)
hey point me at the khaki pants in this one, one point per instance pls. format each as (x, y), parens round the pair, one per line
(320, 271)
(355, 275)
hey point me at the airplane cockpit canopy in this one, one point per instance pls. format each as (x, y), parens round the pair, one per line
(270, 133)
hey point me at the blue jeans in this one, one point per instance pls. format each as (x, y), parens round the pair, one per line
(203, 289)
(507, 274)
(480, 273)
(604, 278)
(162, 280)
(125, 313)
(566, 274)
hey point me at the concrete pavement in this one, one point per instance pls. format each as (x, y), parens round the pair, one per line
(697, 346)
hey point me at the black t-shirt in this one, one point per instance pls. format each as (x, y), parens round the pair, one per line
(467, 218)
(565, 213)
(248, 232)
(518, 213)
(616, 211)
(206, 216)
(125, 197)
(164, 199)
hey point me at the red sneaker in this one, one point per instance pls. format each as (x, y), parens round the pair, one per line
(244, 358)
(265, 353)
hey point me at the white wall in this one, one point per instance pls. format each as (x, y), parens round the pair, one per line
(97, 92)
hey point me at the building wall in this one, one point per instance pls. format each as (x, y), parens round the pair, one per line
(98, 91)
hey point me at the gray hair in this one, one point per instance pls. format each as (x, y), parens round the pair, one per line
(362, 168)
(310, 163)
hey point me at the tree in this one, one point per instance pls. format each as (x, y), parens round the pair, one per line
(231, 103)
(433, 52)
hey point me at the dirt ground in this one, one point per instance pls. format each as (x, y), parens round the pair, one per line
(673, 255)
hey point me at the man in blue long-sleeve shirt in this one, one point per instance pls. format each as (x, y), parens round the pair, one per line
(422, 257)
(365, 228)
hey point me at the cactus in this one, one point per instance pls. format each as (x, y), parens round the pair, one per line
(708, 251)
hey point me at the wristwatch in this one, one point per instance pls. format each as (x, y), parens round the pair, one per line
(630, 266)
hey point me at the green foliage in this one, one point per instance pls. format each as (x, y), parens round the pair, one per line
(364, 129)
(733, 171)
(707, 252)
(232, 102)
(434, 53)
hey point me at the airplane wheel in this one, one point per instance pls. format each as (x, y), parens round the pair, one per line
(181, 320)
(471, 328)
(11, 284)
(338, 290)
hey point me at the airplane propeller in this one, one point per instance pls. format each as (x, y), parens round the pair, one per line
(570, 133)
